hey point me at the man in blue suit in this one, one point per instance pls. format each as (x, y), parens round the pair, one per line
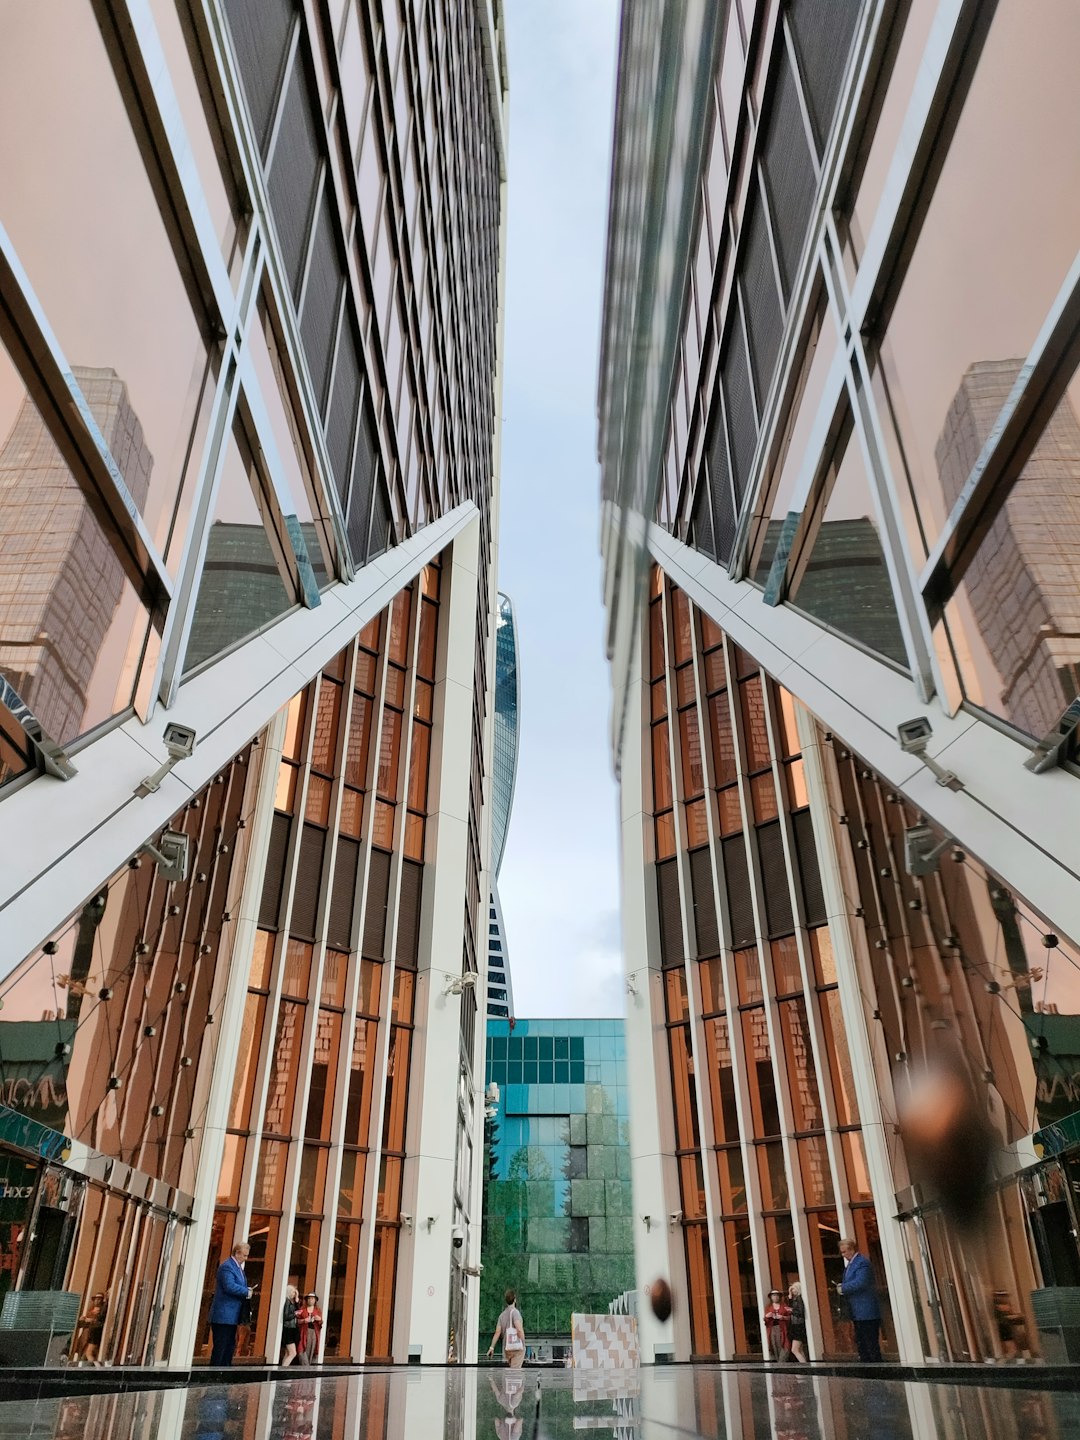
(230, 1291)
(859, 1290)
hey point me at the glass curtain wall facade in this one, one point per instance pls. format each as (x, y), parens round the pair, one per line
(865, 496)
(272, 358)
(557, 1194)
(503, 779)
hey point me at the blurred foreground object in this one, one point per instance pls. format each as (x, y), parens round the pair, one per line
(660, 1299)
(948, 1136)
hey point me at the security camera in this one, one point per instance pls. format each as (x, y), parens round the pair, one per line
(457, 1237)
(179, 740)
(180, 743)
(914, 736)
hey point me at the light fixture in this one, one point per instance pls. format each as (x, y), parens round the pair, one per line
(458, 984)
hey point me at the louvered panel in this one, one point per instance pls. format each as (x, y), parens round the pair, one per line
(378, 893)
(408, 935)
(809, 869)
(293, 172)
(701, 526)
(363, 481)
(741, 420)
(723, 504)
(672, 950)
(706, 924)
(260, 34)
(779, 916)
(274, 874)
(740, 906)
(343, 894)
(341, 429)
(380, 523)
(309, 868)
(764, 321)
(789, 172)
(823, 35)
(322, 297)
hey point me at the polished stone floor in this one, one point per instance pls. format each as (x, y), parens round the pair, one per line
(464, 1404)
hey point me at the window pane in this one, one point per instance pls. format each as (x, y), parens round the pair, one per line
(72, 629)
(993, 214)
(245, 581)
(842, 579)
(95, 172)
(1014, 620)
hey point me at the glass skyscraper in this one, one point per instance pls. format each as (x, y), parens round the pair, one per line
(504, 776)
(839, 491)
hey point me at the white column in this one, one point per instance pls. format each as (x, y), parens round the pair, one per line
(427, 1252)
(658, 1251)
(872, 1079)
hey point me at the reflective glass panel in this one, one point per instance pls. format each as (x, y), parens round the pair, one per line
(1014, 621)
(246, 579)
(72, 629)
(997, 242)
(97, 181)
(841, 578)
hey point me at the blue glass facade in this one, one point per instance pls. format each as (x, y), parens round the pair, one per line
(507, 696)
(504, 773)
(557, 1203)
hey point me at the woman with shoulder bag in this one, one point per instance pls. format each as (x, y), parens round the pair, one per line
(797, 1323)
(777, 1320)
(290, 1327)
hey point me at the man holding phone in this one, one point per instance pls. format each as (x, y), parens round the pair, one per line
(231, 1290)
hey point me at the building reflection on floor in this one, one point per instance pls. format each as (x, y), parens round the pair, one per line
(706, 1401)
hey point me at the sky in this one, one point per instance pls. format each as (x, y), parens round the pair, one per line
(559, 881)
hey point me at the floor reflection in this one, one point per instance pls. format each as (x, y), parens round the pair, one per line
(467, 1404)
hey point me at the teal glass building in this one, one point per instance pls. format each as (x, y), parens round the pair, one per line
(557, 1198)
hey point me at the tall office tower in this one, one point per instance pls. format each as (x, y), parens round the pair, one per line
(839, 481)
(248, 621)
(504, 777)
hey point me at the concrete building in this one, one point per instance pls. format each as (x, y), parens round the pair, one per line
(250, 475)
(838, 495)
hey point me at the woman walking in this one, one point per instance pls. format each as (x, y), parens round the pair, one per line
(290, 1326)
(797, 1323)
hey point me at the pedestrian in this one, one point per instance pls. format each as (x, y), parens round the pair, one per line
(91, 1327)
(230, 1291)
(310, 1319)
(512, 1329)
(777, 1320)
(859, 1290)
(290, 1326)
(797, 1323)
